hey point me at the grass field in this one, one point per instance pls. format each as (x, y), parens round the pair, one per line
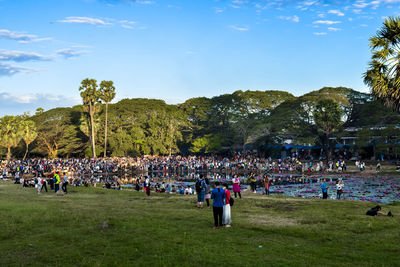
(98, 227)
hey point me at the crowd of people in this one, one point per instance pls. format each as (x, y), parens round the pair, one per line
(238, 162)
(59, 173)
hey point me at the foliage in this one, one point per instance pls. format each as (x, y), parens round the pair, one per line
(383, 74)
(11, 132)
(243, 119)
(90, 95)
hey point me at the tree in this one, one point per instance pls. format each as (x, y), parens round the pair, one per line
(90, 96)
(29, 133)
(10, 133)
(107, 94)
(383, 74)
(327, 115)
(39, 111)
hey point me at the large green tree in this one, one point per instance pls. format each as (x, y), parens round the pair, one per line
(10, 133)
(383, 74)
(107, 94)
(29, 134)
(327, 117)
(90, 96)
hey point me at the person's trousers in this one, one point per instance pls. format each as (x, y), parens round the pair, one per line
(44, 186)
(218, 211)
(56, 187)
(236, 193)
(324, 195)
(148, 191)
(64, 187)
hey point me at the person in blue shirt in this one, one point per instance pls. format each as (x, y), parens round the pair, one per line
(200, 191)
(324, 189)
(218, 196)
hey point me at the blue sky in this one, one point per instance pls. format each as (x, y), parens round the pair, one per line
(178, 49)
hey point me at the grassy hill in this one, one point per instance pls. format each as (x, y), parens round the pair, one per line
(98, 227)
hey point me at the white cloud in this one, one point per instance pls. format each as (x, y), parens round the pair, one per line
(144, 2)
(9, 70)
(68, 53)
(334, 29)
(290, 18)
(326, 22)
(20, 56)
(320, 33)
(127, 24)
(336, 12)
(238, 28)
(85, 20)
(13, 104)
(21, 37)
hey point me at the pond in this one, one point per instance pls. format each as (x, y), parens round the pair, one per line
(379, 189)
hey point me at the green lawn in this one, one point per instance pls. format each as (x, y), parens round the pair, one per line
(167, 230)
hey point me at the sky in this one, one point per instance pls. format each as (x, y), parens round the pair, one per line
(178, 49)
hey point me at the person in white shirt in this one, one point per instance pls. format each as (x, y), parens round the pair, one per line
(339, 188)
(39, 185)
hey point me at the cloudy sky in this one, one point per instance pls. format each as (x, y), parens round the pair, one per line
(177, 49)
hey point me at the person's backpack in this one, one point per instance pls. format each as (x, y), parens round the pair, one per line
(199, 187)
(231, 201)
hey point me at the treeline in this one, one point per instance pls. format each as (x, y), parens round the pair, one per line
(243, 119)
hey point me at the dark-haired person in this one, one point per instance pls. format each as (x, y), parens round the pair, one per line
(375, 211)
(208, 192)
(57, 181)
(146, 185)
(200, 191)
(236, 186)
(44, 184)
(64, 183)
(218, 196)
(324, 189)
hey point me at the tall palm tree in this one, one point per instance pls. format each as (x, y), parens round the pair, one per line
(107, 94)
(90, 96)
(383, 74)
(29, 133)
(10, 133)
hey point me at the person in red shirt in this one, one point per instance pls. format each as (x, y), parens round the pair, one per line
(226, 216)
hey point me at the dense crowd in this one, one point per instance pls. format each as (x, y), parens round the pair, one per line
(86, 168)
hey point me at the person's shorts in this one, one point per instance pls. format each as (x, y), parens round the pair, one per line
(200, 196)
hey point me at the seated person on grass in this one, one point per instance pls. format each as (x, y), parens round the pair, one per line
(375, 211)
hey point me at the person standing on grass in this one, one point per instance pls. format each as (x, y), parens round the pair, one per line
(226, 216)
(236, 186)
(253, 183)
(200, 191)
(146, 185)
(44, 184)
(65, 183)
(339, 188)
(324, 189)
(267, 184)
(218, 196)
(208, 192)
(39, 185)
(57, 181)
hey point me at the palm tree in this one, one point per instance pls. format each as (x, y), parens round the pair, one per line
(107, 94)
(90, 96)
(383, 74)
(29, 133)
(10, 133)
